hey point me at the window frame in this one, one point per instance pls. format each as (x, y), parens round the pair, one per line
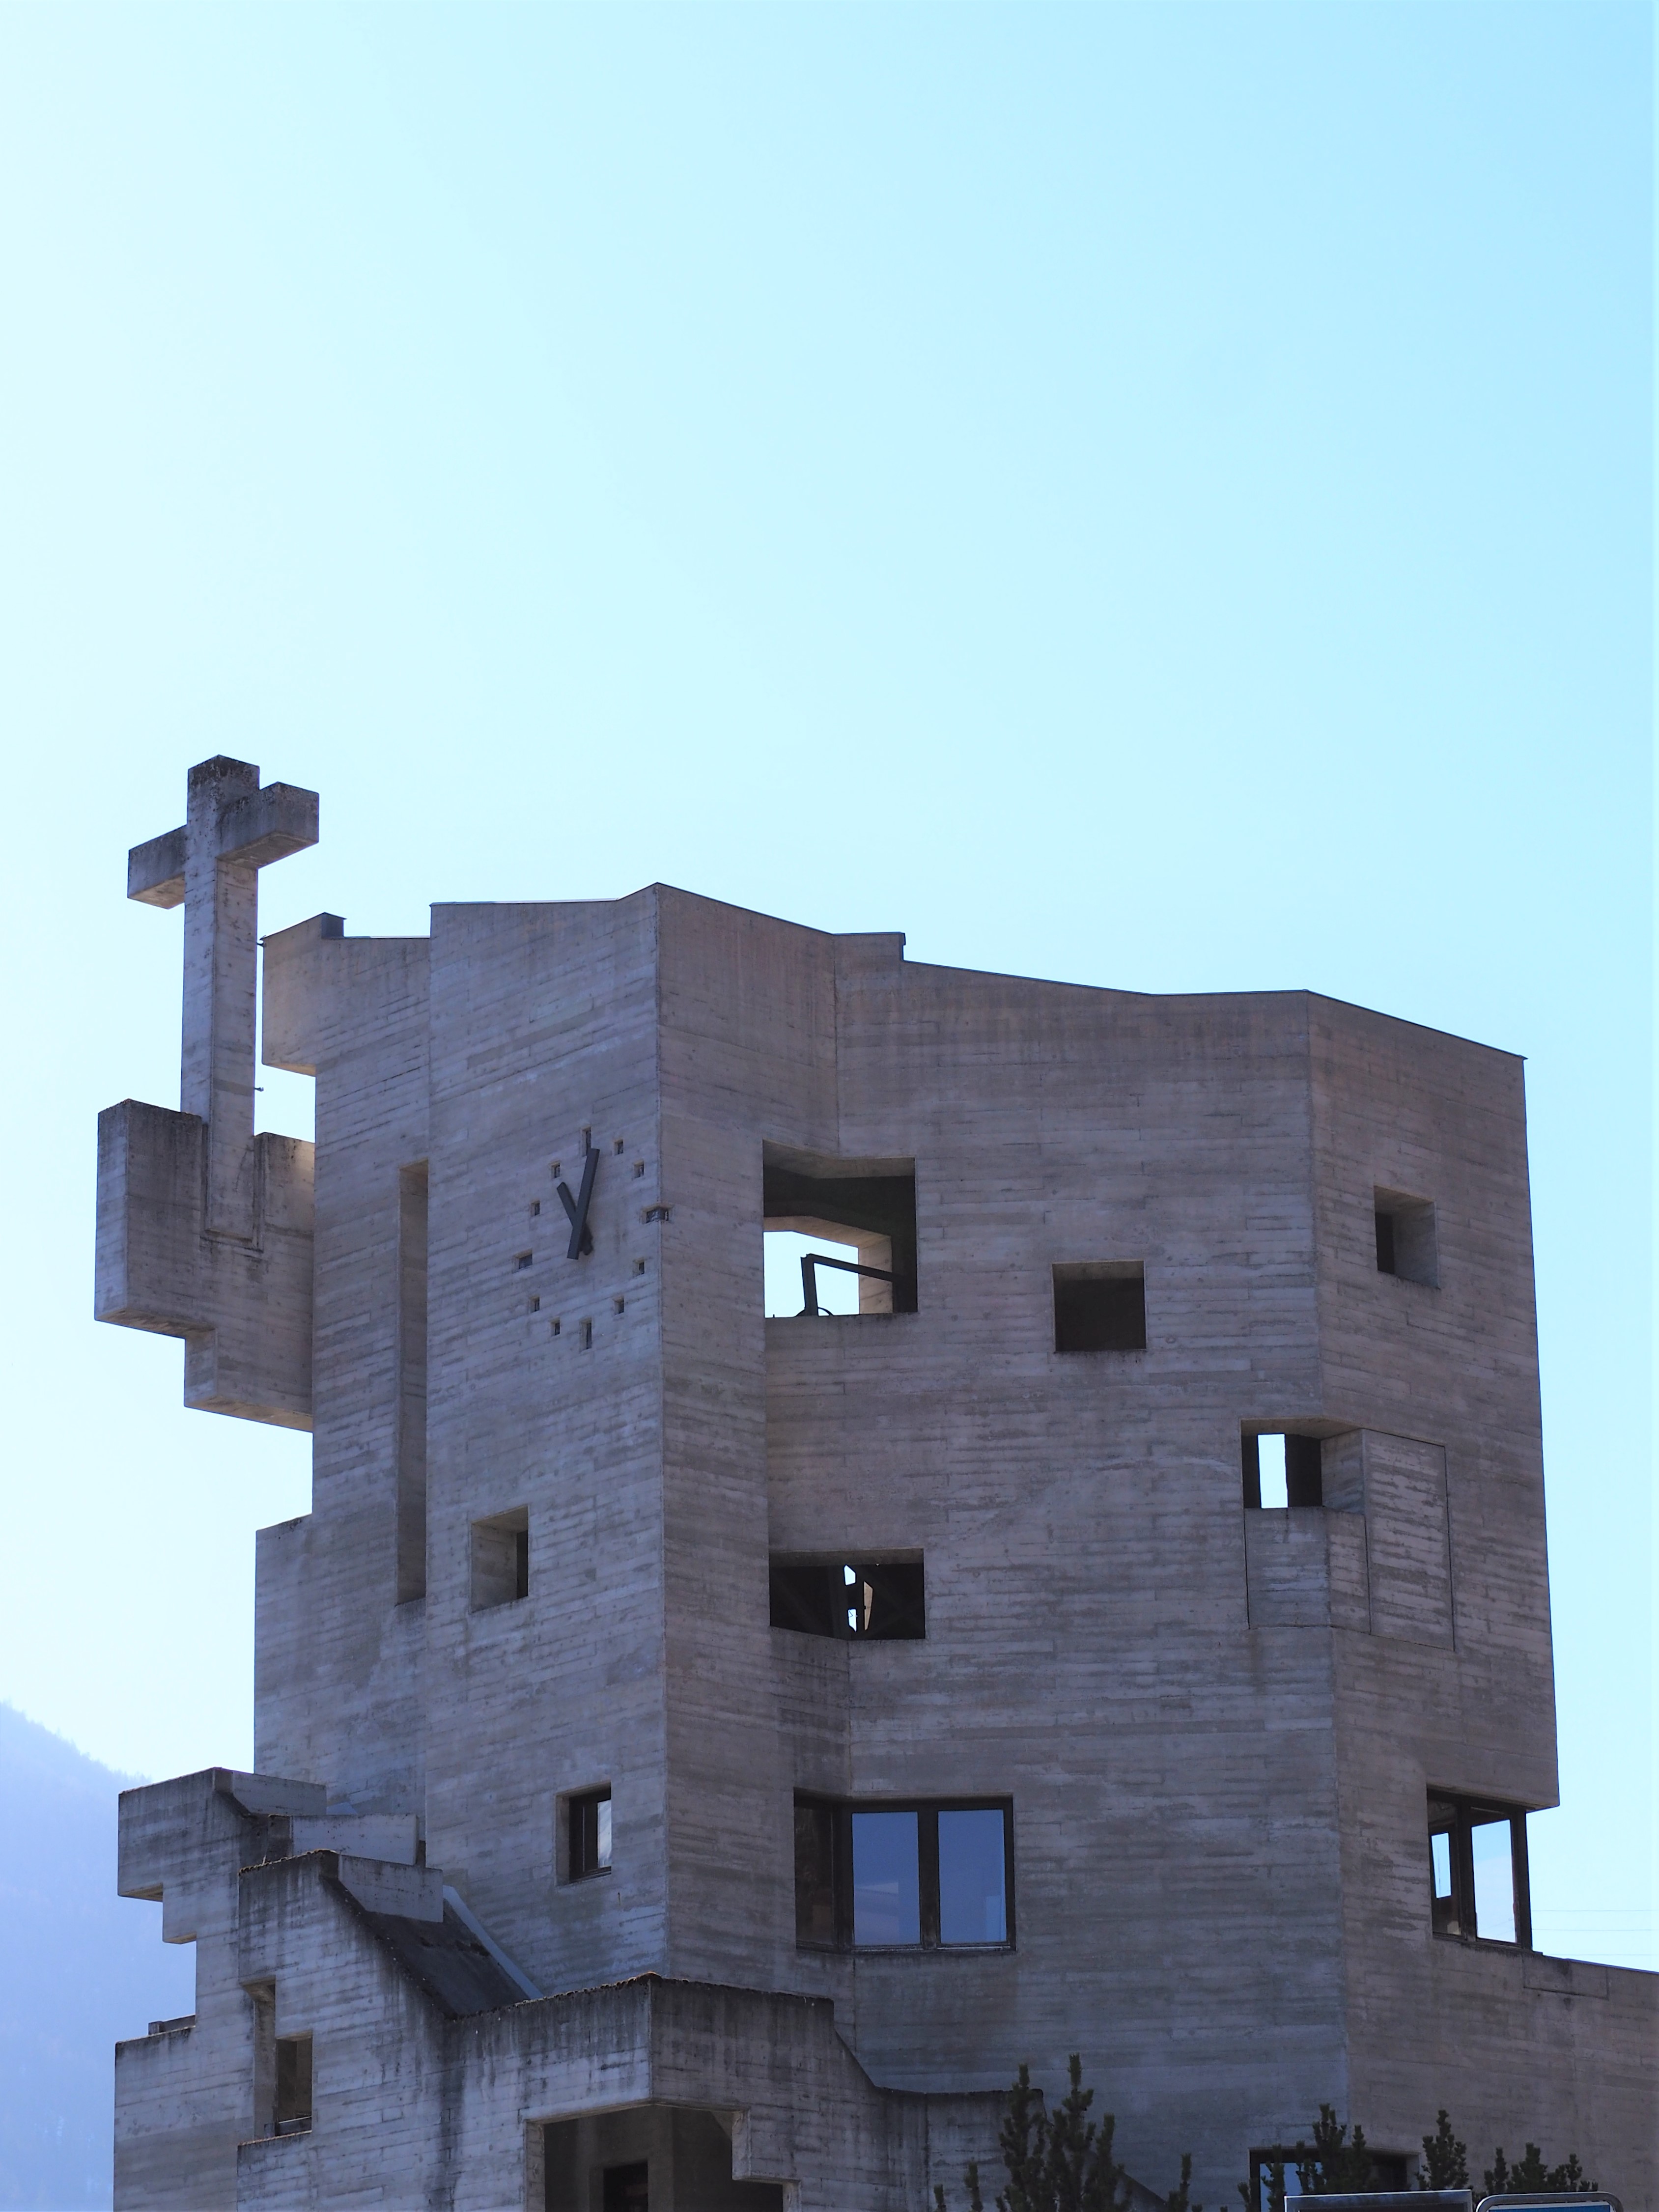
(1456, 1817)
(835, 1815)
(577, 1805)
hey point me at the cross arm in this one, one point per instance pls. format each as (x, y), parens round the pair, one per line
(155, 872)
(261, 827)
(268, 824)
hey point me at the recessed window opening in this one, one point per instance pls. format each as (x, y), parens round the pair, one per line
(523, 1260)
(588, 1336)
(587, 1834)
(501, 1559)
(854, 1600)
(840, 1234)
(1100, 1305)
(618, 1144)
(627, 2188)
(1406, 1240)
(932, 1876)
(1479, 1882)
(639, 1170)
(1282, 1469)
(535, 1207)
(292, 2113)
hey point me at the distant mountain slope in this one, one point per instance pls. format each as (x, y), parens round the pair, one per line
(79, 1968)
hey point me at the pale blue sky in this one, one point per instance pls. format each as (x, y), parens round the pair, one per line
(1155, 495)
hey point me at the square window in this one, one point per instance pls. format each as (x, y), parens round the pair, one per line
(1406, 1241)
(501, 1559)
(587, 1834)
(1282, 1469)
(1100, 1306)
(840, 1234)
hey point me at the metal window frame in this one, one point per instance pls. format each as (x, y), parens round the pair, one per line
(839, 1813)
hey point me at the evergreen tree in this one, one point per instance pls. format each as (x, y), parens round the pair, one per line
(1529, 2175)
(1060, 2161)
(1339, 2165)
(1445, 2161)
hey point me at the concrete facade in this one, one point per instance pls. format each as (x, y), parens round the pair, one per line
(1216, 1726)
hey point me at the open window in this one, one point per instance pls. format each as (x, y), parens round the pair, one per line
(501, 1559)
(840, 1235)
(850, 1599)
(1282, 1468)
(585, 1837)
(1406, 1241)
(1100, 1305)
(292, 2113)
(932, 1876)
(1478, 1875)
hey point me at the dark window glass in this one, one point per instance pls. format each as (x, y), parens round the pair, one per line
(1095, 1311)
(902, 1876)
(818, 1886)
(589, 1834)
(849, 1599)
(1384, 1243)
(886, 1878)
(628, 2188)
(1303, 1478)
(973, 1885)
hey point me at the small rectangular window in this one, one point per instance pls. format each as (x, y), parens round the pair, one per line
(1406, 1240)
(902, 1877)
(291, 2116)
(1100, 1306)
(587, 1834)
(1282, 1469)
(1478, 1874)
(501, 1559)
(884, 1598)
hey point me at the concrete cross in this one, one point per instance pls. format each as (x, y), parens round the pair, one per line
(232, 829)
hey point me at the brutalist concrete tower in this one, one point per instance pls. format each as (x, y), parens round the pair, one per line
(702, 1754)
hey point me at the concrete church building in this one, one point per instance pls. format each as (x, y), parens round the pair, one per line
(701, 1755)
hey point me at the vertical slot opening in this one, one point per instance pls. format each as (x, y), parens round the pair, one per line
(411, 1381)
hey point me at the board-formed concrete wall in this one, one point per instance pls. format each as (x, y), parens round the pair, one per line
(1218, 1724)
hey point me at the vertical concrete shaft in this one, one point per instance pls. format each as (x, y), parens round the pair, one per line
(222, 903)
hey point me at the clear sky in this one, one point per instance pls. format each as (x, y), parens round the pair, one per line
(1152, 495)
